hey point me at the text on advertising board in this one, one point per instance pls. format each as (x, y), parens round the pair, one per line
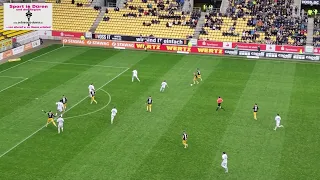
(67, 34)
(140, 39)
(27, 16)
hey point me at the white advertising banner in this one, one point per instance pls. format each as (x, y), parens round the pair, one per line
(32, 36)
(27, 16)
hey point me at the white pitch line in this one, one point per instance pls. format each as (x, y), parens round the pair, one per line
(66, 111)
(54, 62)
(13, 85)
(81, 115)
(31, 59)
(12, 77)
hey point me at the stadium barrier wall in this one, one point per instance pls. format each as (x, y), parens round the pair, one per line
(188, 50)
(212, 44)
(28, 37)
(18, 50)
(57, 35)
(140, 46)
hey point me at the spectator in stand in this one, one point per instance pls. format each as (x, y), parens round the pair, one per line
(106, 18)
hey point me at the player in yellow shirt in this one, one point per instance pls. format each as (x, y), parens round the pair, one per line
(149, 104)
(195, 78)
(50, 118)
(199, 74)
(255, 111)
(93, 94)
(185, 139)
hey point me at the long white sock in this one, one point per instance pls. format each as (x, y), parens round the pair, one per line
(58, 130)
(112, 120)
(132, 79)
(138, 79)
(226, 169)
(62, 129)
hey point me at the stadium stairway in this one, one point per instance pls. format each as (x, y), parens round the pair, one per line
(187, 6)
(297, 3)
(310, 30)
(224, 6)
(199, 25)
(98, 20)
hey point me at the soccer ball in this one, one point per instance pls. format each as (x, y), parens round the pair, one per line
(191, 84)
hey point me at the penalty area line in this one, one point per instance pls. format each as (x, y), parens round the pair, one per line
(31, 59)
(13, 85)
(66, 111)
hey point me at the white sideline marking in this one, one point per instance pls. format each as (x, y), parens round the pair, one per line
(66, 111)
(31, 59)
(12, 77)
(54, 62)
(95, 110)
(13, 85)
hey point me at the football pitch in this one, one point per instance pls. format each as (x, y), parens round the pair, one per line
(141, 145)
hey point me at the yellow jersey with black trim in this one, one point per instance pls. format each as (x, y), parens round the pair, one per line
(149, 101)
(50, 115)
(64, 100)
(93, 93)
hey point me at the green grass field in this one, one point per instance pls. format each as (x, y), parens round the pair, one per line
(141, 145)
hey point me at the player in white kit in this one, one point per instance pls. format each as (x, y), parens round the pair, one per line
(60, 122)
(135, 75)
(114, 112)
(224, 163)
(277, 119)
(91, 88)
(60, 107)
(164, 84)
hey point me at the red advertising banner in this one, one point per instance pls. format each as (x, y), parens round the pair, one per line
(316, 50)
(181, 49)
(213, 44)
(289, 49)
(67, 34)
(249, 46)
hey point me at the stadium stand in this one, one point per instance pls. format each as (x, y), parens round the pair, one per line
(316, 34)
(149, 18)
(256, 21)
(73, 15)
(8, 33)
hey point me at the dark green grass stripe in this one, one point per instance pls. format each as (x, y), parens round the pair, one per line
(204, 125)
(302, 127)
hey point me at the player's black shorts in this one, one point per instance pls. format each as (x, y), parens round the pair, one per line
(219, 104)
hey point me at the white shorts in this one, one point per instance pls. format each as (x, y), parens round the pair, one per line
(277, 123)
(112, 116)
(135, 76)
(60, 125)
(224, 164)
(60, 109)
(163, 87)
